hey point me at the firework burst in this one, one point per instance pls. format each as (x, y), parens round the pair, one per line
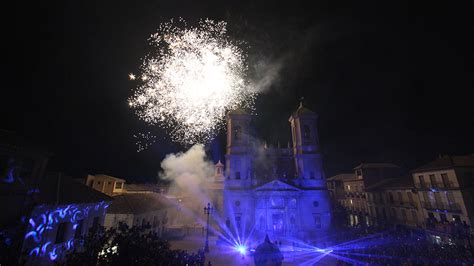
(197, 75)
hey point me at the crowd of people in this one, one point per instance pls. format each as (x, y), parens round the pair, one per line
(399, 247)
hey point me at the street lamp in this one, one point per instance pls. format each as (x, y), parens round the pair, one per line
(207, 211)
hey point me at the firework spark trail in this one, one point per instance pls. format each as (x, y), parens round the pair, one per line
(144, 140)
(197, 76)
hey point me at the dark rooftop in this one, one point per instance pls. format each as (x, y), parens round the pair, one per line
(58, 189)
(446, 162)
(303, 111)
(376, 165)
(342, 177)
(392, 183)
(138, 203)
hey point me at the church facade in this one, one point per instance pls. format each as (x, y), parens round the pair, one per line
(280, 192)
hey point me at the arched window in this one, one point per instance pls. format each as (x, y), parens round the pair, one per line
(306, 132)
(262, 223)
(237, 133)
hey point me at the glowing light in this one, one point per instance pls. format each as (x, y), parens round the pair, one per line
(323, 250)
(131, 76)
(53, 255)
(104, 251)
(197, 75)
(241, 249)
(34, 251)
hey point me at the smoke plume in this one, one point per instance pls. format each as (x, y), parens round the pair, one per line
(188, 170)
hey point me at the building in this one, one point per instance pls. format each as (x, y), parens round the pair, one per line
(337, 195)
(355, 201)
(149, 210)
(394, 201)
(276, 191)
(436, 197)
(106, 184)
(64, 212)
(335, 186)
(445, 189)
(152, 206)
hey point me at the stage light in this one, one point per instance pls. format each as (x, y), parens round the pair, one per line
(323, 250)
(241, 249)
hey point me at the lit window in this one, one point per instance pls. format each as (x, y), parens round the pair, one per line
(118, 185)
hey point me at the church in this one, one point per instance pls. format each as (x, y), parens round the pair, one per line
(274, 191)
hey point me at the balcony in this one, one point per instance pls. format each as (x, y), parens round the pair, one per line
(404, 204)
(453, 207)
(350, 194)
(438, 186)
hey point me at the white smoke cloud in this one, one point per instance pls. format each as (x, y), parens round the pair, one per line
(187, 170)
(265, 75)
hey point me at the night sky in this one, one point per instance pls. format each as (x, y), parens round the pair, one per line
(390, 80)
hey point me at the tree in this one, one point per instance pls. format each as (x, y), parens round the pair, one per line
(130, 246)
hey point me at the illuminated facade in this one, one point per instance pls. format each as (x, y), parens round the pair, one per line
(276, 191)
(64, 213)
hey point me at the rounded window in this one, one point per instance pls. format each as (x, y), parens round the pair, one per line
(315, 203)
(237, 203)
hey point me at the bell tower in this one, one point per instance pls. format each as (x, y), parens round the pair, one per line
(238, 157)
(306, 150)
(238, 199)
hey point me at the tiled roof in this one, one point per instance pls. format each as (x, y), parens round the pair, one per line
(145, 187)
(401, 182)
(376, 165)
(57, 189)
(446, 162)
(138, 203)
(111, 177)
(342, 177)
